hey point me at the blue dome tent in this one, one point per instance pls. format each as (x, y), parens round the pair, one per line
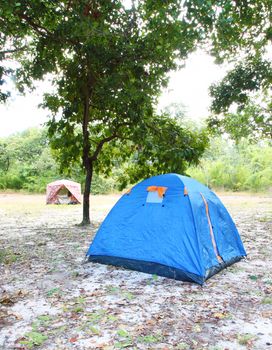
(169, 225)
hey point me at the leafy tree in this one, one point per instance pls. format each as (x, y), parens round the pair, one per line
(26, 162)
(164, 145)
(242, 101)
(4, 157)
(108, 64)
(241, 33)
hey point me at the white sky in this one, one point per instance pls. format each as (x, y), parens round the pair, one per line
(188, 86)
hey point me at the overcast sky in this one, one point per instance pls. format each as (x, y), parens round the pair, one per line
(188, 86)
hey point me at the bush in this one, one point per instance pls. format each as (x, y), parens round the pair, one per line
(242, 167)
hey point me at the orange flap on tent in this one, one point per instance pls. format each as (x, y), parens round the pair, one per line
(160, 189)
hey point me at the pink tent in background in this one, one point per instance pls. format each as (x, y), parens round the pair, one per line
(63, 192)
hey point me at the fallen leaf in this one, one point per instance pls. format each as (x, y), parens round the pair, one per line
(73, 339)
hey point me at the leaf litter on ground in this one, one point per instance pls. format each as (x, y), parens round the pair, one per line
(49, 300)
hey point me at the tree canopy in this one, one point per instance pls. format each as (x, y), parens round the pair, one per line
(108, 63)
(241, 102)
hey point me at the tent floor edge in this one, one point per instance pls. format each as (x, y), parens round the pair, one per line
(148, 267)
(215, 269)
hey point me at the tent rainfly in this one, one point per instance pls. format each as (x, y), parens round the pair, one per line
(169, 225)
(63, 192)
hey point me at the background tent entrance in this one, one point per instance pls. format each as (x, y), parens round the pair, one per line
(63, 192)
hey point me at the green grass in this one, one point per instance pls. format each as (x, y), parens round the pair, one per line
(33, 339)
(267, 301)
(8, 257)
(245, 339)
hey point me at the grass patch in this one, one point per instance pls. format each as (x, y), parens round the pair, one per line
(183, 346)
(253, 277)
(33, 339)
(8, 257)
(53, 291)
(118, 291)
(150, 339)
(265, 219)
(267, 301)
(245, 339)
(125, 341)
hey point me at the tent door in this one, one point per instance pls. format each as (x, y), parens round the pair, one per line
(220, 260)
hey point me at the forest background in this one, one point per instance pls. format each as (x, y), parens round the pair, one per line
(27, 164)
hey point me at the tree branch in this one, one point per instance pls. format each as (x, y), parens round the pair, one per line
(101, 144)
(44, 31)
(37, 27)
(13, 50)
(108, 139)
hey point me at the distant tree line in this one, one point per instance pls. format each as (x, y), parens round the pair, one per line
(236, 167)
(27, 163)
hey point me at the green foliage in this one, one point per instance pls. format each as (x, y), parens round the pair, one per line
(267, 301)
(245, 339)
(33, 339)
(236, 167)
(30, 164)
(102, 185)
(165, 145)
(150, 339)
(7, 257)
(242, 103)
(246, 77)
(108, 63)
(225, 165)
(27, 163)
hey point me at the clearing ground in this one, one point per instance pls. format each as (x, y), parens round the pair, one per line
(50, 300)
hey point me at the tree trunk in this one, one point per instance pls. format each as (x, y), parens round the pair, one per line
(86, 196)
(87, 162)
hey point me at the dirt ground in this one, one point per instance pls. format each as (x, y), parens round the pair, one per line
(50, 300)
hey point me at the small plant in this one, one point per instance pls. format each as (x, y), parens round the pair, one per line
(128, 295)
(53, 291)
(155, 277)
(268, 281)
(149, 339)
(44, 319)
(97, 316)
(78, 309)
(253, 277)
(7, 257)
(125, 342)
(183, 346)
(33, 339)
(116, 290)
(267, 301)
(112, 289)
(122, 333)
(112, 318)
(95, 330)
(265, 219)
(245, 339)
(81, 300)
